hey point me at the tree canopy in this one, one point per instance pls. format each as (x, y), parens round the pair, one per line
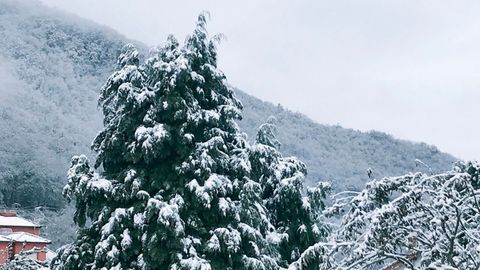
(177, 185)
(418, 220)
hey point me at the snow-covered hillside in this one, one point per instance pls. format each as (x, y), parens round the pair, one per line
(52, 66)
(51, 69)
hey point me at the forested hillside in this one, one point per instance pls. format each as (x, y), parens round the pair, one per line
(51, 70)
(52, 67)
(341, 155)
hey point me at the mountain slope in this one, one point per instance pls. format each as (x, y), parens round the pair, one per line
(52, 66)
(340, 155)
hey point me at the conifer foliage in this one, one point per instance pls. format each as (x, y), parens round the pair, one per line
(267, 133)
(296, 217)
(179, 186)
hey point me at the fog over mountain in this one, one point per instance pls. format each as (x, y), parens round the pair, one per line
(51, 71)
(195, 173)
(53, 65)
(405, 67)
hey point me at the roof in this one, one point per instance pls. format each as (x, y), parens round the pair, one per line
(4, 239)
(16, 222)
(27, 238)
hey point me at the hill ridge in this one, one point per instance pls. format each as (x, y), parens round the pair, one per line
(56, 66)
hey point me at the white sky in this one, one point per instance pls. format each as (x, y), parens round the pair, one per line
(407, 67)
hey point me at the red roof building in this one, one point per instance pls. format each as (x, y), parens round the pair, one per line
(18, 234)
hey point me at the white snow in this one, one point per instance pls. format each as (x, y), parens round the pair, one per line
(4, 239)
(16, 222)
(148, 136)
(213, 244)
(114, 219)
(126, 239)
(138, 219)
(194, 263)
(100, 184)
(223, 205)
(276, 238)
(27, 238)
(197, 77)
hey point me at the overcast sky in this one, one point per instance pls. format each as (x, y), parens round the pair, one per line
(409, 68)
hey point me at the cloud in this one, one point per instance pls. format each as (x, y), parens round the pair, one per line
(409, 68)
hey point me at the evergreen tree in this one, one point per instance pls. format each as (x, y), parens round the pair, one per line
(178, 189)
(267, 133)
(294, 215)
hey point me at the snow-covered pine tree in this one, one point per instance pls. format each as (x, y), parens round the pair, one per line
(418, 221)
(175, 191)
(266, 133)
(294, 214)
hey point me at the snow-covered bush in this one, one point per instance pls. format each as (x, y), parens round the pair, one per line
(24, 261)
(418, 220)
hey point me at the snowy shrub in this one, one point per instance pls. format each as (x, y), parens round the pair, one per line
(417, 220)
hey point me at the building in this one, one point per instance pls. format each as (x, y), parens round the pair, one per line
(413, 258)
(18, 234)
(4, 247)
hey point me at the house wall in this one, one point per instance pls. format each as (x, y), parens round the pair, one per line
(3, 252)
(32, 230)
(8, 213)
(41, 255)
